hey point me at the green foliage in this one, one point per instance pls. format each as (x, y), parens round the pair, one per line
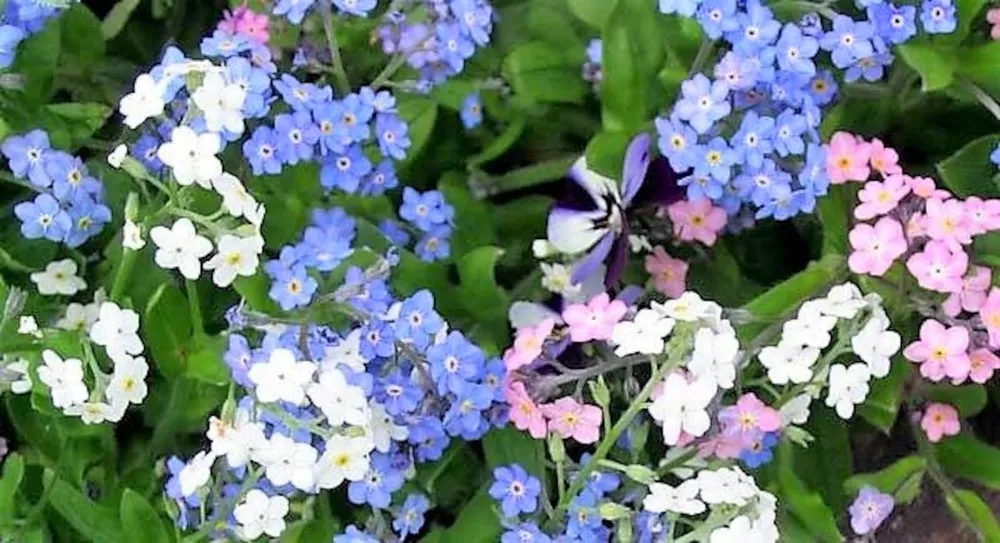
(902, 480)
(806, 506)
(969, 458)
(138, 516)
(968, 506)
(540, 72)
(632, 58)
(969, 171)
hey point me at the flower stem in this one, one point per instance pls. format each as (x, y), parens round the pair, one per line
(122, 274)
(339, 75)
(983, 97)
(194, 305)
(522, 178)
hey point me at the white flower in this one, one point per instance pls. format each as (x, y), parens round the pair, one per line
(558, 278)
(221, 103)
(683, 499)
(682, 406)
(256, 217)
(236, 257)
(639, 243)
(116, 157)
(59, 277)
(116, 330)
(875, 344)
(541, 248)
(714, 357)
(740, 530)
(235, 198)
(238, 441)
(258, 514)
(78, 317)
(689, 308)
(64, 378)
(144, 102)
(282, 378)
(196, 473)
(644, 334)
(23, 383)
(726, 485)
(340, 402)
(345, 458)
(844, 301)
(132, 236)
(128, 383)
(191, 156)
(287, 461)
(788, 362)
(28, 326)
(810, 328)
(848, 386)
(796, 410)
(381, 430)
(91, 412)
(347, 352)
(180, 247)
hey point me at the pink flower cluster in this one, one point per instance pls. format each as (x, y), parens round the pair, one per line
(669, 274)
(566, 417)
(697, 220)
(741, 426)
(244, 20)
(913, 221)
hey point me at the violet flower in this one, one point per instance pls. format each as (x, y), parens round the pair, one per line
(869, 510)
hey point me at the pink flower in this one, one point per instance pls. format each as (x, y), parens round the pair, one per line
(528, 344)
(940, 351)
(924, 187)
(847, 158)
(990, 315)
(946, 221)
(993, 17)
(244, 20)
(876, 247)
(747, 417)
(983, 215)
(668, 273)
(940, 419)
(595, 319)
(972, 295)
(697, 220)
(938, 268)
(884, 160)
(880, 197)
(523, 412)
(982, 364)
(721, 446)
(568, 418)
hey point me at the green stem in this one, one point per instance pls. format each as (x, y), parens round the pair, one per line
(390, 70)
(122, 274)
(194, 305)
(522, 178)
(340, 81)
(704, 50)
(982, 96)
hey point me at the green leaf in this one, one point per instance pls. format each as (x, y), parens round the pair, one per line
(477, 522)
(966, 12)
(79, 121)
(474, 224)
(512, 446)
(967, 457)
(969, 399)
(92, 521)
(882, 404)
(501, 144)
(633, 56)
(606, 151)
(971, 509)
(167, 330)
(969, 171)
(902, 479)
(203, 357)
(834, 212)
(783, 298)
(806, 506)
(10, 482)
(82, 37)
(593, 13)
(115, 20)
(541, 72)
(979, 63)
(480, 294)
(548, 20)
(254, 289)
(139, 517)
(420, 114)
(826, 463)
(36, 60)
(935, 64)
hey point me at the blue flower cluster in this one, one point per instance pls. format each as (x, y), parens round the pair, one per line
(69, 207)
(438, 44)
(428, 215)
(21, 18)
(749, 139)
(295, 10)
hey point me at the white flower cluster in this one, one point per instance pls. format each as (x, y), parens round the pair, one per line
(192, 158)
(793, 360)
(115, 329)
(59, 278)
(731, 492)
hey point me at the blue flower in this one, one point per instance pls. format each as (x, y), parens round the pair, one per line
(43, 217)
(345, 170)
(411, 515)
(716, 161)
(392, 133)
(378, 484)
(526, 532)
(938, 16)
(10, 37)
(795, 51)
(995, 156)
(295, 10)
(650, 527)
(329, 140)
(753, 140)
(145, 151)
(253, 80)
(785, 203)
(87, 218)
(336, 221)
(465, 416)
(476, 18)
(738, 72)
(455, 363)
(718, 17)
(238, 358)
(515, 489)
(377, 340)
(494, 375)
(359, 8)
(435, 244)
(394, 232)
(453, 47)
(680, 7)
(372, 294)
(428, 436)
(261, 150)
(758, 185)
(292, 286)
(822, 88)
(352, 534)
(418, 321)
(872, 67)
(69, 176)
(351, 116)
(788, 131)
(703, 102)
(425, 210)
(757, 28)
(323, 251)
(894, 24)
(584, 518)
(472, 111)
(26, 156)
(678, 142)
(397, 393)
(380, 102)
(813, 176)
(296, 137)
(300, 96)
(848, 41)
(224, 44)
(759, 452)
(381, 179)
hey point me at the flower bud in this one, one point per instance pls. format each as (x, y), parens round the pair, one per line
(557, 451)
(614, 511)
(599, 391)
(640, 474)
